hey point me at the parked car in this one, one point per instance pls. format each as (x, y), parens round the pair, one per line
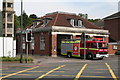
(118, 52)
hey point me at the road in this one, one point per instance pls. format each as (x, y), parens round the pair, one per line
(62, 68)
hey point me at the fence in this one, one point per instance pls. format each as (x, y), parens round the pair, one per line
(7, 47)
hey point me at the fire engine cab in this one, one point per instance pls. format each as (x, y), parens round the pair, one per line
(91, 50)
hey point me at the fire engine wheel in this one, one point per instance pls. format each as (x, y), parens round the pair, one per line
(90, 56)
(69, 55)
(100, 58)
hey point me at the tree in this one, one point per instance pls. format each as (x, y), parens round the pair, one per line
(33, 16)
(26, 20)
(93, 20)
(16, 22)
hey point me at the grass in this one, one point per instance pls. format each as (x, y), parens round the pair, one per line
(14, 59)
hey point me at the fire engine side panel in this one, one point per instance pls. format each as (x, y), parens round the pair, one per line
(66, 47)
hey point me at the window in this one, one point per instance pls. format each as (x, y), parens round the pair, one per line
(32, 44)
(42, 42)
(10, 5)
(3, 25)
(79, 23)
(9, 35)
(23, 45)
(72, 22)
(115, 47)
(88, 45)
(9, 16)
(3, 15)
(76, 23)
(46, 21)
(9, 25)
(4, 5)
(94, 45)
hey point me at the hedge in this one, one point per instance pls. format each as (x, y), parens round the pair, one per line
(14, 59)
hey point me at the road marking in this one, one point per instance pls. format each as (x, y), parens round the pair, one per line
(111, 72)
(36, 71)
(18, 72)
(97, 76)
(24, 74)
(46, 71)
(49, 72)
(79, 74)
(63, 75)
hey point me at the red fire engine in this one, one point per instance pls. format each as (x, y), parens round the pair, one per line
(93, 49)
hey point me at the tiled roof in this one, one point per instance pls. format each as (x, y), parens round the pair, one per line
(61, 19)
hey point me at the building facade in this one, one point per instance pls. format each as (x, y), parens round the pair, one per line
(0, 23)
(112, 23)
(49, 30)
(8, 18)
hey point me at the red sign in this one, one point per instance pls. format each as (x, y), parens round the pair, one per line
(75, 48)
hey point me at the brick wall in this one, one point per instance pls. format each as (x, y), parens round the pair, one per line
(112, 26)
(47, 50)
(54, 45)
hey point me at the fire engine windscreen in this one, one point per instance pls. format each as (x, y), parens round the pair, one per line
(102, 45)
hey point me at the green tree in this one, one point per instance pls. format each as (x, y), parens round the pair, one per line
(93, 20)
(16, 24)
(26, 20)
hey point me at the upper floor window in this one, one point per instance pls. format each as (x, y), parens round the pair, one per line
(76, 23)
(10, 5)
(46, 21)
(4, 5)
(9, 25)
(9, 17)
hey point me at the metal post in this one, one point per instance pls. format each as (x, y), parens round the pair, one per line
(21, 32)
(84, 46)
(27, 53)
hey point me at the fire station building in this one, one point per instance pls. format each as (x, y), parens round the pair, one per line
(49, 30)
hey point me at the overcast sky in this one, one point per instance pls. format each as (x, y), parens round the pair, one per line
(94, 8)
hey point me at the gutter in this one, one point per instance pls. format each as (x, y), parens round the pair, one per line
(69, 29)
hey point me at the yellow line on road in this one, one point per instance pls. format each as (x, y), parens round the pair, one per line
(49, 72)
(97, 76)
(62, 75)
(36, 71)
(18, 72)
(111, 72)
(79, 74)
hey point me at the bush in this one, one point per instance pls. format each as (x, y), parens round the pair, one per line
(14, 59)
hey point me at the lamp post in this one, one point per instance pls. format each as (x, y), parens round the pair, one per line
(21, 24)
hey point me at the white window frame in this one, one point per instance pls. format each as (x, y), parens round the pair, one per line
(80, 23)
(76, 23)
(42, 42)
(32, 44)
(72, 22)
(115, 47)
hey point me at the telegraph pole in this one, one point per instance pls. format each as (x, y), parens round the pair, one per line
(21, 24)
(84, 42)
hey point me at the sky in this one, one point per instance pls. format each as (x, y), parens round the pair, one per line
(94, 8)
